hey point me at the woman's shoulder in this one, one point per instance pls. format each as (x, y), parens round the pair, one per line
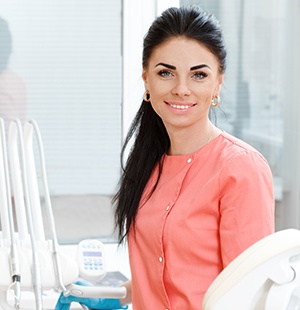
(233, 148)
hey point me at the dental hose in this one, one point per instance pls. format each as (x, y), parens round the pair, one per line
(14, 254)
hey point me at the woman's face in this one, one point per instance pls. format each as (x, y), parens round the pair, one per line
(182, 77)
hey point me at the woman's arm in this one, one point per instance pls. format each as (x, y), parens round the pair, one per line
(246, 205)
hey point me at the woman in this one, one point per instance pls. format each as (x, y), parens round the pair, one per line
(192, 197)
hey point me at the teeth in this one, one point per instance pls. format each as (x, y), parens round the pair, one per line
(181, 107)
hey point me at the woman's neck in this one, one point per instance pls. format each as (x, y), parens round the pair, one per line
(186, 141)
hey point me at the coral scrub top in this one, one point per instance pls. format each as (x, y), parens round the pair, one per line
(208, 207)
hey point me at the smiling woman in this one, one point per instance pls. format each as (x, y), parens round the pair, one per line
(192, 197)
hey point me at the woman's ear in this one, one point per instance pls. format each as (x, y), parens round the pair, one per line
(220, 83)
(144, 77)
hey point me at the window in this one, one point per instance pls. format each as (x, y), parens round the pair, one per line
(64, 70)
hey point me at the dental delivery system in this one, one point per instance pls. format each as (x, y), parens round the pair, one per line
(28, 261)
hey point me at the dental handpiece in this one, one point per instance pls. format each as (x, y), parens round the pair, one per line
(14, 254)
(16, 275)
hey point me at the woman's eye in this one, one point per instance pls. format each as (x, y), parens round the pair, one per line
(199, 75)
(165, 73)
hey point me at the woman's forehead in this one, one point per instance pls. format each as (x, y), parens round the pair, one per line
(183, 51)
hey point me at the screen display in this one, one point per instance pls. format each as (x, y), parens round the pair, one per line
(91, 253)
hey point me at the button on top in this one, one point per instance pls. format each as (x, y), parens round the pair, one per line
(189, 160)
(168, 208)
(160, 259)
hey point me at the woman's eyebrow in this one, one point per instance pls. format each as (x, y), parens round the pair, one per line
(174, 68)
(166, 65)
(200, 67)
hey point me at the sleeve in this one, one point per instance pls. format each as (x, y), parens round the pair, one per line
(246, 203)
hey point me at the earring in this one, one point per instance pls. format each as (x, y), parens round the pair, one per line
(215, 101)
(147, 96)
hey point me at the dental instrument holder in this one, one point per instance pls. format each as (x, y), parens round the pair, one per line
(263, 277)
(42, 266)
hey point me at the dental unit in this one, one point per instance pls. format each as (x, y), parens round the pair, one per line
(29, 262)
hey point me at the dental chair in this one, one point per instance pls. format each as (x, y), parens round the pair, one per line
(266, 276)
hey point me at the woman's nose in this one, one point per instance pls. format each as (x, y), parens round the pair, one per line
(181, 88)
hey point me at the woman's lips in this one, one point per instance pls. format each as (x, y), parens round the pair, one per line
(180, 105)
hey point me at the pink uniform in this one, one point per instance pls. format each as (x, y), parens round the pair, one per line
(208, 207)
